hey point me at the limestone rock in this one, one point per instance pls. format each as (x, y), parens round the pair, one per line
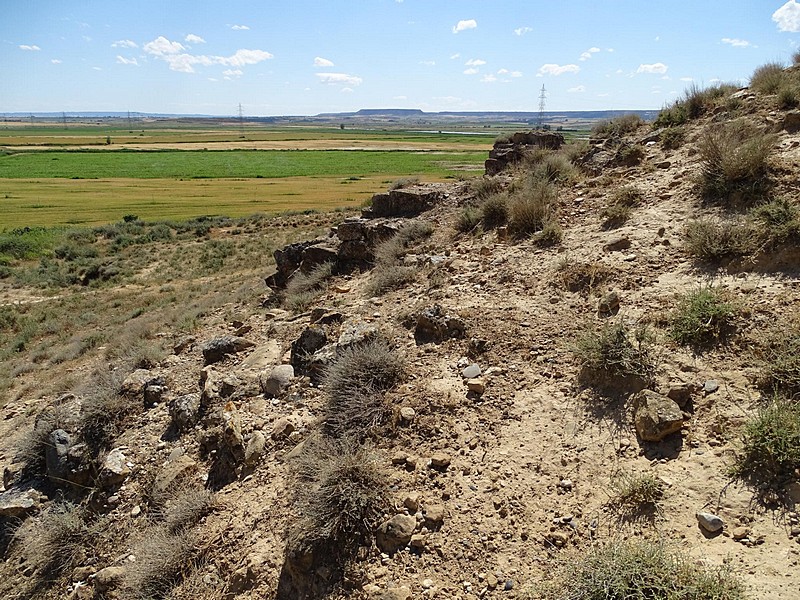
(109, 578)
(232, 430)
(312, 338)
(173, 472)
(434, 516)
(135, 382)
(395, 533)
(115, 469)
(656, 416)
(185, 411)
(434, 325)
(277, 380)
(255, 449)
(56, 455)
(710, 522)
(17, 503)
(406, 202)
(218, 348)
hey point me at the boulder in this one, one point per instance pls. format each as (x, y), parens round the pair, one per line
(433, 324)
(791, 122)
(172, 473)
(277, 380)
(710, 522)
(17, 503)
(109, 578)
(405, 202)
(56, 456)
(656, 416)
(115, 469)
(185, 411)
(232, 431)
(135, 382)
(154, 391)
(312, 338)
(395, 533)
(217, 349)
(256, 446)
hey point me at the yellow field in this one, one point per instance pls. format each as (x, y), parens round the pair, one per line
(54, 201)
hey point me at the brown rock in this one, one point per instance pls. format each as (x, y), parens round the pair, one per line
(656, 416)
(395, 533)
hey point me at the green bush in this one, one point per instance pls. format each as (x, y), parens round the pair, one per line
(468, 219)
(638, 570)
(555, 167)
(616, 352)
(702, 318)
(694, 102)
(770, 453)
(617, 127)
(715, 239)
(672, 137)
(485, 187)
(780, 361)
(635, 493)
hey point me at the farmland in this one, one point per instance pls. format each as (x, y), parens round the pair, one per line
(90, 175)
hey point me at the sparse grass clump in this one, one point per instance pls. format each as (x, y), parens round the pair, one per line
(555, 167)
(768, 78)
(495, 211)
(617, 127)
(468, 219)
(780, 361)
(734, 164)
(715, 239)
(582, 277)
(355, 383)
(780, 220)
(532, 207)
(619, 206)
(770, 453)
(639, 570)
(303, 288)
(636, 493)
(389, 273)
(702, 318)
(341, 495)
(162, 560)
(672, 137)
(695, 102)
(387, 278)
(485, 187)
(404, 182)
(616, 354)
(185, 507)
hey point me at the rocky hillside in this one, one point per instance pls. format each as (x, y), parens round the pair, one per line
(584, 362)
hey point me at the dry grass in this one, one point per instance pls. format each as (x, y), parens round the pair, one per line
(582, 277)
(531, 207)
(768, 78)
(494, 211)
(702, 318)
(779, 359)
(162, 560)
(717, 239)
(615, 354)
(636, 494)
(637, 570)
(617, 127)
(390, 273)
(620, 205)
(341, 495)
(303, 288)
(734, 160)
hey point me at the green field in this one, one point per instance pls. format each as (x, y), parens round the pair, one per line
(231, 163)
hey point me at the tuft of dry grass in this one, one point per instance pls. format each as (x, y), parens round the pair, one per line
(162, 560)
(615, 354)
(717, 239)
(619, 206)
(734, 161)
(768, 78)
(495, 211)
(303, 288)
(532, 207)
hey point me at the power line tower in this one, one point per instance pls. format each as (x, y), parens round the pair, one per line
(129, 120)
(64, 119)
(542, 98)
(241, 120)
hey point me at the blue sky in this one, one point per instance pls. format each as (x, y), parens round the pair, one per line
(304, 57)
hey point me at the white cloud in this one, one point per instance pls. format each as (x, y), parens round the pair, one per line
(55, 61)
(339, 79)
(658, 68)
(737, 43)
(194, 39)
(488, 78)
(346, 90)
(516, 74)
(178, 60)
(399, 97)
(455, 56)
(33, 48)
(428, 63)
(787, 17)
(124, 44)
(126, 61)
(475, 62)
(322, 62)
(161, 46)
(471, 71)
(464, 25)
(578, 89)
(687, 79)
(96, 69)
(232, 73)
(522, 30)
(239, 27)
(553, 69)
(588, 54)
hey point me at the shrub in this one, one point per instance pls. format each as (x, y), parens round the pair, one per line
(734, 163)
(770, 453)
(468, 219)
(780, 221)
(555, 167)
(616, 352)
(485, 187)
(495, 211)
(672, 137)
(619, 205)
(694, 102)
(582, 277)
(531, 207)
(575, 150)
(634, 493)
(392, 250)
(768, 78)
(551, 234)
(714, 239)
(404, 182)
(32, 445)
(788, 97)
(303, 288)
(617, 127)
(780, 362)
(341, 496)
(104, 410)
(639, 570)
(389, 277)
(372, 366)
(56, 541)
(162, 558)
(185, 507)
(702, 318)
